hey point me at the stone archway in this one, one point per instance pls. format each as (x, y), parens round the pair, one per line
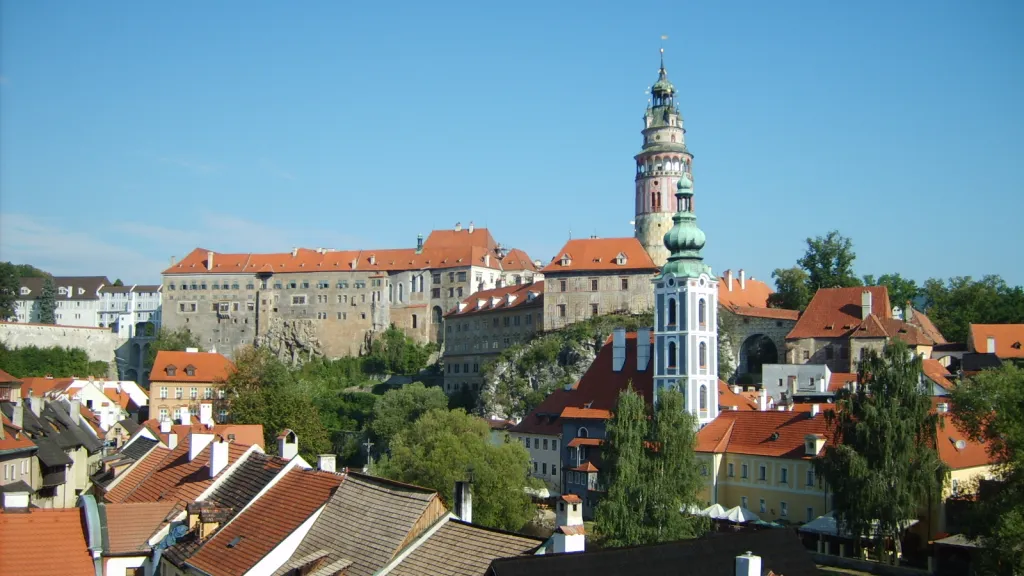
(756, 351)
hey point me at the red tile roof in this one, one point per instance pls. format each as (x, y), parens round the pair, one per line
(727, 398)
(209, 366)
(875, 327)
(244, 434)
(572, 530)
(571, 498)
(484, 301)
(754, 293)
(40, 385)
(516, 259)
(585, 467)
(452, 238)
(586, 413)
(544, 417)
(751, 433)
(266, 523)
(937, 373)
(970, 455)
(834, 312)
(130, 526)
(839, 380)
(772, 313)
(6, 378)
(13, 438)
(599, 254)
(121, 398)
(925, 323)
(584, 442)
(45, 543)
(1009, 339)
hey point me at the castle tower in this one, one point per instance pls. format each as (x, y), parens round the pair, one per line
(686, 314)
(663, 159)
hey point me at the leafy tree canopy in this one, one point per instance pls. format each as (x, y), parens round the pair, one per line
(961, 301)
(990, 408)
(651, 473)
(397, 409)
(56, 361)
(445, 446)
(118, 282)
(396, 353)
(791, 289)
(171, 340)
(901, 290)
(9, 285)
(29, 271)
(829, 262)
(882, 464)
(47, 302)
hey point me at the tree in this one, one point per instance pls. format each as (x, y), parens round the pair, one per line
(47, 303)
(727, 336)
(398, 409)
(989, 407)
(882, 464)
(9, 286)
(901, 290)
(396, 353)
(651, 473)
(54, 361)
(445, 446)
(791, 289)
(829, 262)
(118, 282)
(957, 303)
(178, 340)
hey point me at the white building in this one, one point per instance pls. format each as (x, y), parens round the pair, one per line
(77, 299)
(131, 311)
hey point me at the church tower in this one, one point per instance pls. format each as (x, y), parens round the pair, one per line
(663, 159)
(686, 314)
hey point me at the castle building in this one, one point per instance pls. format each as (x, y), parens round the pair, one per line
(659, 165)
(685, 314)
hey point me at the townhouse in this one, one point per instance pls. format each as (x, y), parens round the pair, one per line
(184, 380)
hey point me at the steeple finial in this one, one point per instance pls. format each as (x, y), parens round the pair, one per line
(661, 70)
(685, 240)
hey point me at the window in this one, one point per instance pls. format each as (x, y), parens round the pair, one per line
(561, 286)
(222, 416)
(785, 476)
(534, 466)
(703, 355)
(435, 292)
(743, 471)
(671, 312)
(436, 279)
(164, 414)
(810, 514)
(593, 309)
(732, 470)
(179, 393)
(190, 370)
(544, 468)
(163, 392)
(625, 283)
(299, 300)
(807, 355)
(703, 397)
(702, 313)
(462, 276)
(828, 353)
(554, 444)
(764, 506)
(207, 393)
(193, 393)
(415, 321)
(593, 284)
(529, 319)
(743, 502)
(762, 473)
(783, 509)
(561, 310)
(545, 443)
(672, 354)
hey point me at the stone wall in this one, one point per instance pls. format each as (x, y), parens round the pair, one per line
(746, 327)
(100, 344)
(576, 303)
(474, 340)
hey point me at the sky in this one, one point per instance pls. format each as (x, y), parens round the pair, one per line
(134, 132)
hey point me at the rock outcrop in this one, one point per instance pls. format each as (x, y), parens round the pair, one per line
(293, 341)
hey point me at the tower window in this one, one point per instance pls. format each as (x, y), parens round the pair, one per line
(703, 355)
(703, 397)
(702, 313)
(671, 354)
(671, 311)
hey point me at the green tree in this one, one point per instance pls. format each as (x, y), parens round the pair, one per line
(9, 286)
(55, 361)
(445, 446)
(118, 282)
(829, 262)
(727, 336)
(791, 289)
(397, 409)
(882, 465)
(396, 353)
(47, 303)
(961, 301)
(990, 408)
(901, 290)
(29, 271)
(651, 473)
(171, 340)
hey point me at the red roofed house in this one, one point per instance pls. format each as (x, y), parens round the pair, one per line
(1006, 341)
(595, 276)
(757, 333)
(183, 380)
(483, 325)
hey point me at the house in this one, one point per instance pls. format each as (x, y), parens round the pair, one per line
(17, 456)
(1005, 341)
(541, 432)
(45, 542)
(183, 379)
(10, 388)
(77, 300)
(595, 276)
(757, 333)
(456, 548)
(483, 325)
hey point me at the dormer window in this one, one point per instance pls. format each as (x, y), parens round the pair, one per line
(171, 370)
(62, 291)
(25, 291)
(190, 370)
(620, 260)
(566, 260)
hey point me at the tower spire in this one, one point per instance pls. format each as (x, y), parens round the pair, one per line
(685, 240)
(661, 71)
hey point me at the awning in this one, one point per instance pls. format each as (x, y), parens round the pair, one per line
(827, 526)
(740, 515)
(715, 512)
(584, 442)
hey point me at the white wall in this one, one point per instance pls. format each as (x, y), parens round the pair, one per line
(119, 566)
(773, 373)
(550, 457)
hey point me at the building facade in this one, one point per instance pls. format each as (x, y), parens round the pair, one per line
(596, 276)
(659, 165)
(78, 300)
(185, 380)
(482, 326)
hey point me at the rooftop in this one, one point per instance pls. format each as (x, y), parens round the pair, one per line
(130, 526)
(517, 296)
(772, 433)
(834, 312)
(460, 549)
(48, 542)
(1009, 339)
(601, 255)
(172, 366)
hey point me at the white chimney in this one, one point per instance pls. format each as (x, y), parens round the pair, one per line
(569, 535)
(75, 410)
(295, 252)
(326, 463)
(618, 349)
(19, 415)
(458, 226)
(991, 345)
(487, 257)
(815, 408)
(865, 304)
(471, 227)
(172, 440)
(206, 414)
(643, 348)
(736, 389)
(196, 442)
(728, 279)
(762, 400)
(165, 426)
(942, 408)
(183, 415)
(743, 279)
(209, 260)
(192, 350)
(218, 457)
(287, 445)
(748, 565)
(464, 501)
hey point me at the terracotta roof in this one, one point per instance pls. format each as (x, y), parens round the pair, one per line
(754, 293)
(727, 398)
(586, 413)
(571, 498)
(122, 398)
(761, 312)
(751, 433)
(516, 259)
(875, 327)
(209, 366)
(585, 467)
(245, 434)
(834, 312)
(937, 373)
(584, 442)
(839, 380)
(40, 385)
(598, 389)
(599, 254)
(452, 238)
(972, 454)
(266, 523)
(6, 378)
(130, 526)
(461, 549)
(572, 530)
(48, 542)
(1009, 339)
(544, 417)
(497, 299)
(925, 323)
(14, 438)
(91, 419)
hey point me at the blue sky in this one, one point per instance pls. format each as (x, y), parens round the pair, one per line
(131, 132)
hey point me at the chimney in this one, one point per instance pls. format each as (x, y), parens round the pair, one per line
(172, 440)
(165, 426)
(618, 349)
(206, 414)
(908, 312)
(373, 259)
(464, 501)
(326, 463)
(762, 400)
(287, 444)
(295, 252)
(191, 350)
(196, 442)
(643, 348)
(19, 414)
(865, 304)
(419, 243)
(172, 260)
(75, 410)
(471, 227)
(743, 279)
(35, 404)
(209, 260)
(569, 534)
(991, 345)
(748, 565)
(942, 408)
(183, 415)
(487, 257)
(458, 226)
(728, 279)
(736, 389)
(218, 456)
(815, 408)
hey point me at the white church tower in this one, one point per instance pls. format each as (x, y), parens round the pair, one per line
(686, 314)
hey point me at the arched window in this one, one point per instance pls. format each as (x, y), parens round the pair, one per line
(703, 355)
(401, 292)
(702, 313)
(671, 321)
(703, 397)
(671, 354)
(582, 432)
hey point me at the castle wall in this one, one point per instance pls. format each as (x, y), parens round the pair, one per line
(100, 344)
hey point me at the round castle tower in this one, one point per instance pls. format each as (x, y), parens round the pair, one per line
(663, 159)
